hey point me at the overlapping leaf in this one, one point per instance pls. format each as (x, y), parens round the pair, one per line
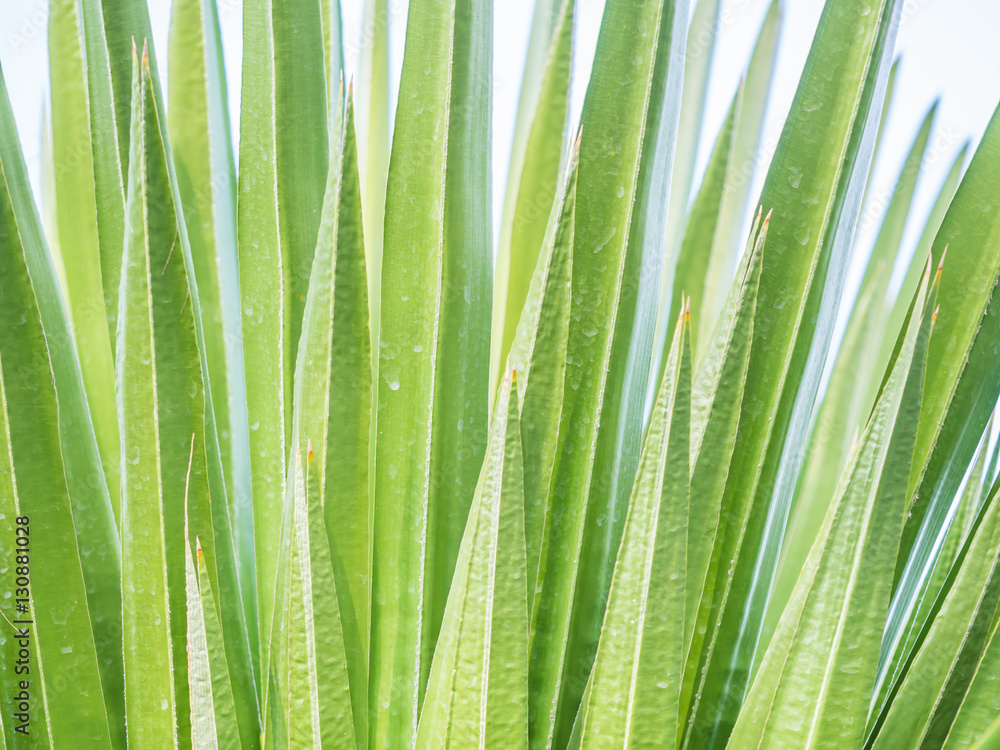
(89, 205)
(533, 176)
(938, 681)
(89, 514)
(433, 353)
(629, 121)
(332, 410)
(853, 386)
(283, 163)
(477, 692)
(817, 677)
(308, 692)
(813, 187)
(47, 624)
(169, 453)
(633, 698)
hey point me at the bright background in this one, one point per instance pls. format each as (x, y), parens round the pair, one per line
(950, 49)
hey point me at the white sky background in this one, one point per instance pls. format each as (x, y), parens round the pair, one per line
(950, 48)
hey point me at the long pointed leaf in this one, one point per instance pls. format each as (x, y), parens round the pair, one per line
(817, 676)
(333, 397)
(89, 207)
(433, 357)
(629, 123)
(747, 155)
(477, 693)
(93, 520)
(169, 415)
(813, 188)
(533, 176)
(634, 695)
(283, 165)
(538, 352)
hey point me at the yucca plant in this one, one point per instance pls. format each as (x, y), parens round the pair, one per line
(294, 457)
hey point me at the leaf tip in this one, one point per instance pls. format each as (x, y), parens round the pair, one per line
(940, 267)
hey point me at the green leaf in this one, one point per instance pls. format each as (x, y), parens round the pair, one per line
(817, 676)
(936, 682)
(213, 712)
(538, 353)
(629, 120)
(283, 164)
(634, 695)
(813, 187)
(990, 739)
(50, 218)
(126, 25)
(699, 52)
(155, 639)
(694, 258)
(747, 154)
(198, 119)
(94, 532)
(332, 405)
(308, 700)
(956, 402)
(716, 404)
(980, 709)
(533, 175)
(853, 386)
(912, 278)
(169, 448)
(838, 424)
(433, 361)
(939, 580)
(89, 206)
(55, 626)
(964, 384)
(372, 113)
(887, 100)
(333, 54)
(477, 692)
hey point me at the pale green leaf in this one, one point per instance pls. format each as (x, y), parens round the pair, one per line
(533, 175)
(168, 421)
(332, 405)
(538, 353)
(634, 696)
(936, 682)
(629, 122)
(89, 206)
(433, 355)
(816, 679)
(283, 164)
(699, 52)
(477, 692)
(716, 404)
(980, 709)
(308, 701)
(813, 187)
(702, 222)
(52, 623)
(206, 178)
(852, 388)
(92, 529)
(963, 386)
(155, 656)
(748, 154)
(372, 115)
(904, 296)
